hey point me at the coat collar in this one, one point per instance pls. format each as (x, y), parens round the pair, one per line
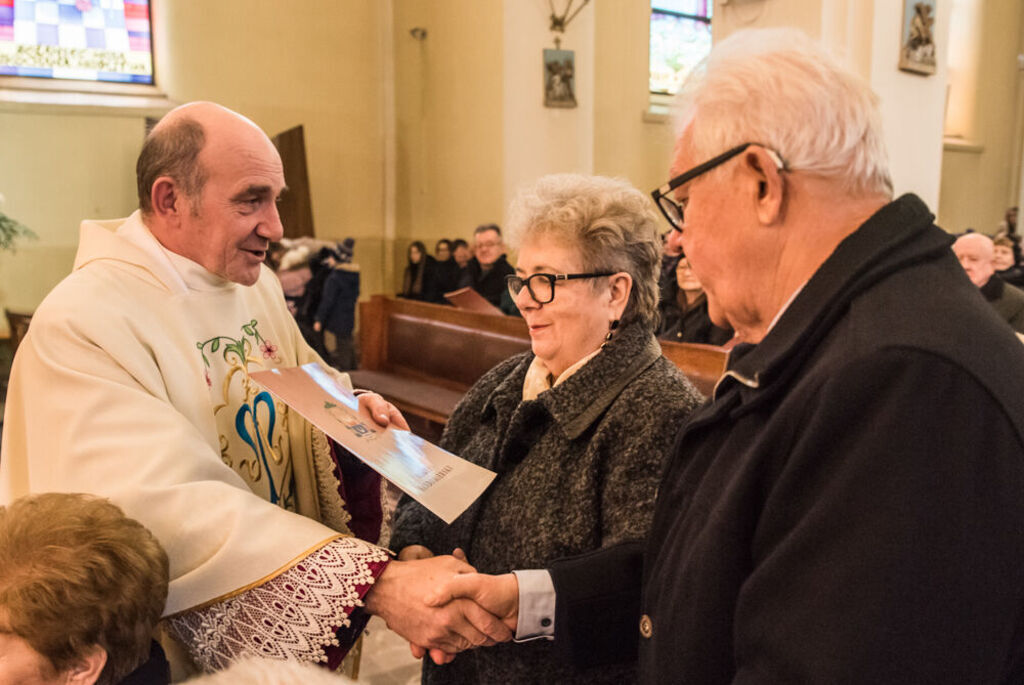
(993, 290)
(580, 400)
(899, 234)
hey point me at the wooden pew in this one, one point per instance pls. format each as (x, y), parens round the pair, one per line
(18, 322)
(423, 357)
(702, 364)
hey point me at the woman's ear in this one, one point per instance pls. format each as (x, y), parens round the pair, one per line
(87, 669)
(619, 287)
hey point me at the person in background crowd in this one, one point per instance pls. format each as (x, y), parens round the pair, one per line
(82, 587)
(687, 320)
(443, 250)
(671, 252)
(461, 253)
(1005, 267)
(1008, 229)
(336, 315)
(420, 279)
(488, 268)
(447, 268)
(977, 256)
(577, 428)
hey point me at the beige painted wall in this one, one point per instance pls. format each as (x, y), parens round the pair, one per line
(978, 177)
(332, 66)
(319, 64)
(626, 142)
(540, 140)
(448, 97)
(50, 185)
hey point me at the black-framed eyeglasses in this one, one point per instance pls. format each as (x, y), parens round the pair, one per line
(672, 209)
(542, 286)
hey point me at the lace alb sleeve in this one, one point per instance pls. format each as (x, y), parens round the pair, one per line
(308, 612)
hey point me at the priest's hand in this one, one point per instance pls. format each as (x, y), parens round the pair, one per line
(398, 595)
(382, 411)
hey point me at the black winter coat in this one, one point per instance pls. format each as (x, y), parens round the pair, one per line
(850, 506)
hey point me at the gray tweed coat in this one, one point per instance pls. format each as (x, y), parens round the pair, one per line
(578, 469)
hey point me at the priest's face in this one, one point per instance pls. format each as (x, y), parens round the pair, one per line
(234, 219)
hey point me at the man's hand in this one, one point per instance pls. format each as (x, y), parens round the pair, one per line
(499, 595)
(383, 412)
(398, 597)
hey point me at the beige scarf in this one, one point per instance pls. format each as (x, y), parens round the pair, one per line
(538, 378)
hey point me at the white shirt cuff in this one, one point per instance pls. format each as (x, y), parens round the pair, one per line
(536, 606)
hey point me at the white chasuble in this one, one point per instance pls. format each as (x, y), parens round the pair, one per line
(133, 384)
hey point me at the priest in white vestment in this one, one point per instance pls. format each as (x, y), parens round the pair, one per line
(133, 383)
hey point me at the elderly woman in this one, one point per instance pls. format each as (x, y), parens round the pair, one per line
(82, 587)
(577, 429)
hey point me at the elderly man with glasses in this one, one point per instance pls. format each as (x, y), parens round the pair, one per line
(848, 506)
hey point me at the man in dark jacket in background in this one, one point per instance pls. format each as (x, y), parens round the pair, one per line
(486, 271)
(849, 506)
(336, 313)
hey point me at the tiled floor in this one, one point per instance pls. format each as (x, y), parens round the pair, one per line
(386, 658)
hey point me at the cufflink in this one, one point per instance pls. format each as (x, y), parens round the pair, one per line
(646, 626)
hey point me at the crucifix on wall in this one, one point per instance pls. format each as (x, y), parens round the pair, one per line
(559, 64)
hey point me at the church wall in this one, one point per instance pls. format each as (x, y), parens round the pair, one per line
(979, 169)
(448, 100)
(318, 64)
(56, 169)
(541, 140)
(629, 141)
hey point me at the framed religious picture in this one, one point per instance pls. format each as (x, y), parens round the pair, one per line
(917, 44)
(559, 78)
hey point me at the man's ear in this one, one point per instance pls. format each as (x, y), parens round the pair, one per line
(770, 184)
(167, 199)
(87, 669)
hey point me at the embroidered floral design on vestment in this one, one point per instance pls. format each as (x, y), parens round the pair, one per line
(260, 426)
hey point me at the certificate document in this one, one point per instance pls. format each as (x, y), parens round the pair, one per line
(437, 479)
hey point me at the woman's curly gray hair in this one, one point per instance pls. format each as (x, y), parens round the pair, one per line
(611, 223)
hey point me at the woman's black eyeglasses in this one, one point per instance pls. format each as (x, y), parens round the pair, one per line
(673, 210)
(542, 286)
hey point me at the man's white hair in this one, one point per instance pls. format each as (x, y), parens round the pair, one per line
(779, 88)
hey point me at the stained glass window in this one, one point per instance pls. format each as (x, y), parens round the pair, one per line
(94, 40)
(680, 39)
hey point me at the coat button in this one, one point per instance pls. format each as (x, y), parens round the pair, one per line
(646, 627)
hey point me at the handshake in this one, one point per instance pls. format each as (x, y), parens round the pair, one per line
(442, 606)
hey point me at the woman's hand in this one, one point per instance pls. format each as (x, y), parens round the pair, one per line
(414, 552)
